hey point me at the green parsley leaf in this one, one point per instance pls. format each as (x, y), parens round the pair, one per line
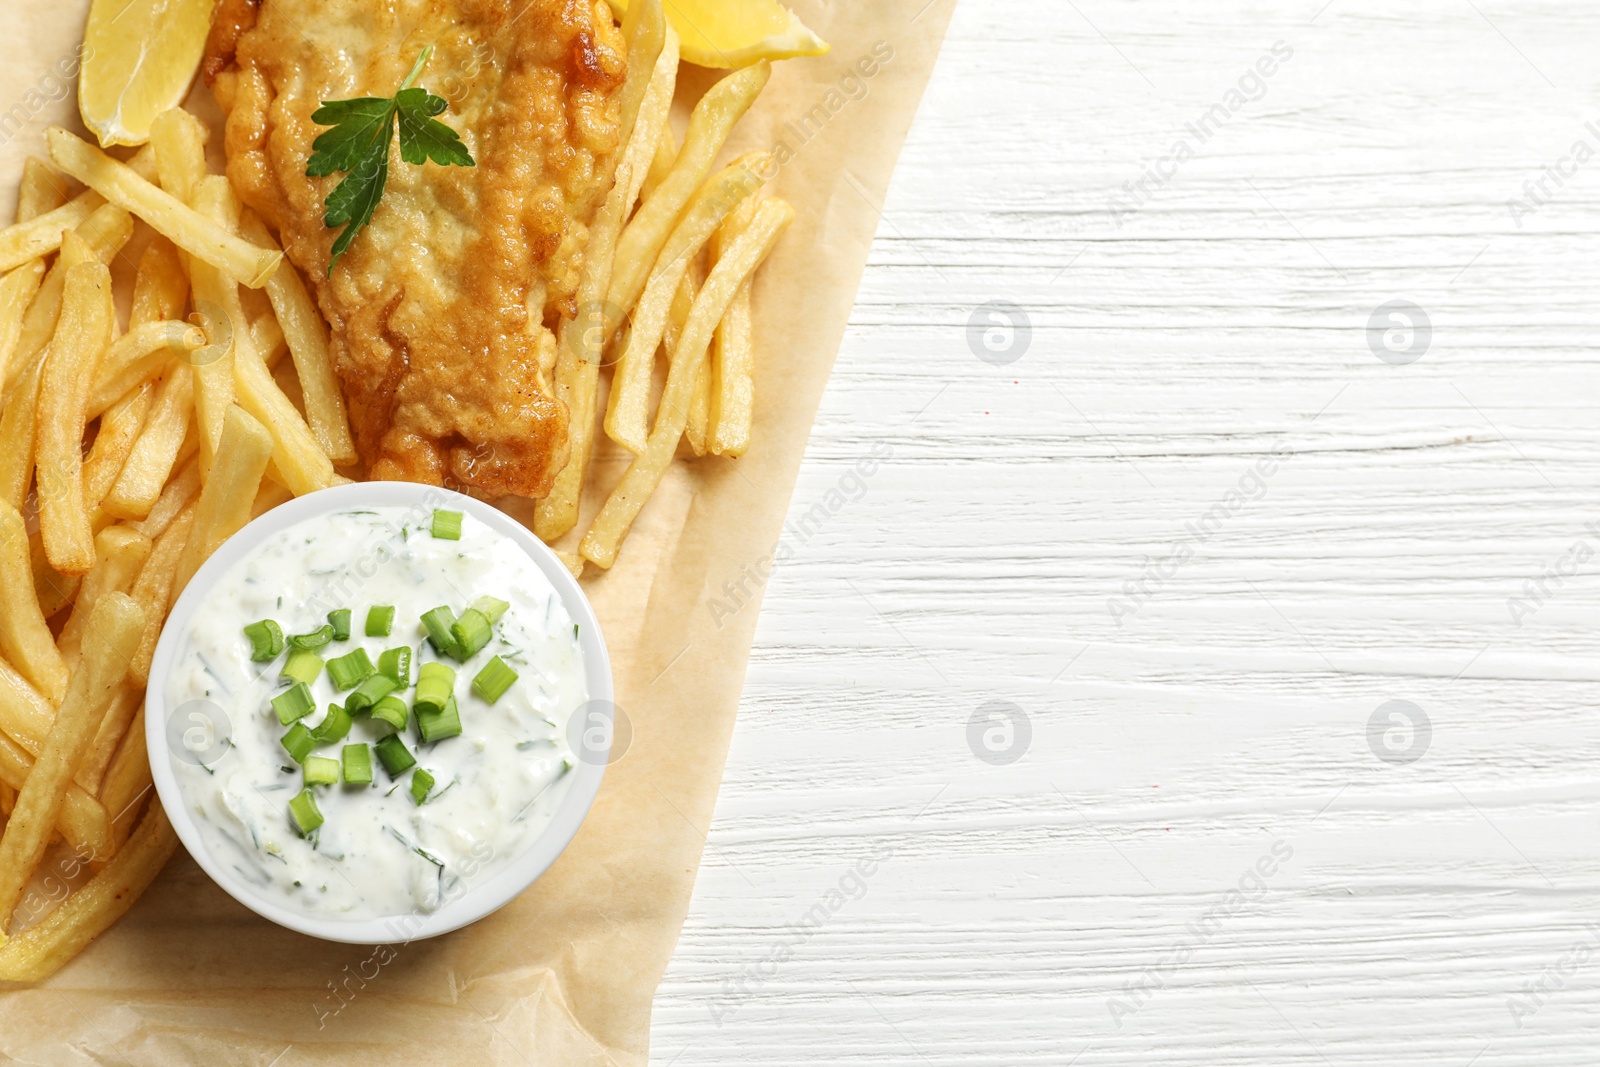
(423, 137)
(358, 146)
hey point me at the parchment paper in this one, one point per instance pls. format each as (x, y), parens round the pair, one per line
(565, 974)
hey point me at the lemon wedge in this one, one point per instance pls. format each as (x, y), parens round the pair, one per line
(735, 33)
(139, 59)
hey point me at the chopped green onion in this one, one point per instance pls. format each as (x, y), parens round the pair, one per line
(340, 621)
(350, 670)
(472, 631)
(305, 813)
(491, 608)
(333, 727)
(298, 742)
(315, 639)
(301, 666)
(396, 663)
(421, 785)
(438, 725)
(266, 640)
(447, 525)
(392, 710)
(438, 623)
(295, 703)
(493, 681)
(372, 689)
(395, 757)
(357, 760)
(320, 770)
(435, 685)
(380, 620)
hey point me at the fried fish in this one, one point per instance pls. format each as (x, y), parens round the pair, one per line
(443, 312)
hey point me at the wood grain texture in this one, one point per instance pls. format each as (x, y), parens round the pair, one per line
(1075, 903)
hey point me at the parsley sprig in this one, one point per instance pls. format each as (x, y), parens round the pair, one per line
(358, 146)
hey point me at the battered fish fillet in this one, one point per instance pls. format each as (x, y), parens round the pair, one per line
(442, 311)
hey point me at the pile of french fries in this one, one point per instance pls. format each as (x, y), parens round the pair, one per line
(198, 425)
(668, 268)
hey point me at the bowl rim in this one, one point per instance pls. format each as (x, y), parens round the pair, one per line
(478, 900)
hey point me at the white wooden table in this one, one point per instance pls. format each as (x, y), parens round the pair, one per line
(1199, 535)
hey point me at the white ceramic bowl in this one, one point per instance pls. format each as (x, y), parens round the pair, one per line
(480, 898)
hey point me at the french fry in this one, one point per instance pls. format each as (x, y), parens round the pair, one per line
(694, 432)
(217, 305)
(40, 236)
(229, 490)
(155, 588)
(300, 461)
(178, 493)
(51, 588)
(583, 339)
(731, 380)
(127, 782)
(629, 407)
(83, 823)
(103, 747)
(572, 561)
(42, 949)
(115, 633)
(307, 337)
(600, 543)
(17, 289)
(140, 355)
(641, 243)
(40, 190)
(661, 162)
(267, 337)
(191, 231)
(25, 714)
(101, 236)
(577, 378)
(269, 496)
(119, 431)
(179, 140)
(646, 30)
(161, 287)
(120, 551)
(24, 638)
(150, 461)
(17, 425)
(82, 335)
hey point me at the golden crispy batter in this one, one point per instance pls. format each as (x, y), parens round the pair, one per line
(441, 310)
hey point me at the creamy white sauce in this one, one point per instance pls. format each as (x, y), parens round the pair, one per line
(497, 784)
